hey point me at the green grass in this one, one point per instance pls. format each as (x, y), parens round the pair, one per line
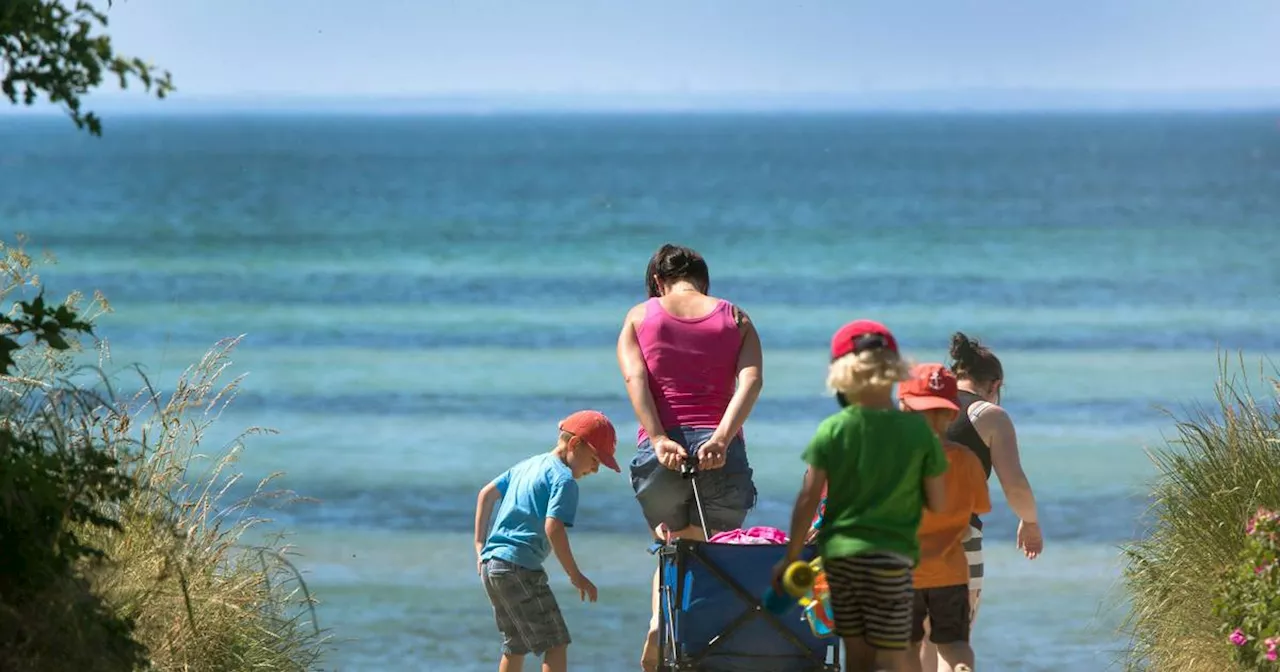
(177, 565)
(200, 597)
(1221, 465)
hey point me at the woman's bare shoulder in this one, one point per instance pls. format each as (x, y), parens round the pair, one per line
(988, 418)
(636, 313)
(740, 316)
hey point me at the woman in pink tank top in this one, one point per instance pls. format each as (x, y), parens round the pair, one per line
(693, 370)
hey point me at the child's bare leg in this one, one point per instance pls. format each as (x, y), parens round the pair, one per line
(511, 663)
(929, 657)
(914, 657)
(859, 655)
(649, 655)
(556, 660)
(953, 623)
(891, 660)
(928, 652)
(953, 654)
(975, 596)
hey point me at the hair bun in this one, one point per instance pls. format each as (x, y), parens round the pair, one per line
(963, 348)
(970, 359)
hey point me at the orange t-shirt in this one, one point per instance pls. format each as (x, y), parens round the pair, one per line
(942, 561)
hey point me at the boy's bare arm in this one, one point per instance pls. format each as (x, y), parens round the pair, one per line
(559, 538)
(935, 493)
(488, 496)
(806, 505)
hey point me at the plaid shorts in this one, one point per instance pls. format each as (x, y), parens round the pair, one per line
(526, 611)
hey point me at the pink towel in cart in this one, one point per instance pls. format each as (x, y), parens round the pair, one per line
(753, 535)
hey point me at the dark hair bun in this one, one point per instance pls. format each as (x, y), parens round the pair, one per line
(970, 359)
(963, 349)
(676, 262)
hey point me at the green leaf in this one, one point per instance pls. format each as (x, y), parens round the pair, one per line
(53, 51)
(7, 347)
(55, 340)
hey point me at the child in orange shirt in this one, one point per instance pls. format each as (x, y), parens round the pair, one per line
(941, 579)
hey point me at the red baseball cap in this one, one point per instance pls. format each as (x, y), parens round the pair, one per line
(594, 428)
(931, 386)
(861, 335)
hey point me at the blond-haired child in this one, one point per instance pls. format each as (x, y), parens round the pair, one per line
(883, 466)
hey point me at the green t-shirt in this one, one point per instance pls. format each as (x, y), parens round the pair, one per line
(876, 462)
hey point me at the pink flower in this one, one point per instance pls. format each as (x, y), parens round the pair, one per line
(1238, 637)
(1271, 643)
(1262, 516)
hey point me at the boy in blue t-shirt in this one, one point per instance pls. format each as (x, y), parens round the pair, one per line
(539, 500)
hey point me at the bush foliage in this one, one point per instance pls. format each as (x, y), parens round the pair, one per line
(1223, 464)
(123, 549)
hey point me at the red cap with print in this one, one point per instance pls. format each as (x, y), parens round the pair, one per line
(931, 386)
(594, 428)
(859, 336)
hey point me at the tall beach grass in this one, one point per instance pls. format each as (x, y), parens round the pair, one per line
(179, 565)
(202, 598)
(1222, 464)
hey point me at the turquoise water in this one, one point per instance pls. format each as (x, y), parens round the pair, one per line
(422, 298)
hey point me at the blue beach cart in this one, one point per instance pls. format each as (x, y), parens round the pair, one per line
(711, 618)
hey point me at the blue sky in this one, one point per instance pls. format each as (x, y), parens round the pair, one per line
(674, 49)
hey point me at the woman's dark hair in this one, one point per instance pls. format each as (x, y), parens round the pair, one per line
(973, 361)
(676, 262)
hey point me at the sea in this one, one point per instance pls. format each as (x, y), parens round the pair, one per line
(422, 298)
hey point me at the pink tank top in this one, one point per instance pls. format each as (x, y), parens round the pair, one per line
(692, 364)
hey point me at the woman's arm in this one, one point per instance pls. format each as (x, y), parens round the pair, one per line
(636, 377)
(996, 429)
(750, 381)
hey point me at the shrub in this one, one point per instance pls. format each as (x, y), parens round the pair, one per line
(59, 486)
(1223, 464)
(1249, 603)
(202, 598)
(154, 550)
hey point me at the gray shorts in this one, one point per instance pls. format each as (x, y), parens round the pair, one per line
(666, 496)
(527, 613)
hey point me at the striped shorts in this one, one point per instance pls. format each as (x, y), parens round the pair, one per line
(526, 611)
(872, 598)
(973, 553)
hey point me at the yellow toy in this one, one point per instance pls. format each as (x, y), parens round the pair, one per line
(806, 582)
(799, 577)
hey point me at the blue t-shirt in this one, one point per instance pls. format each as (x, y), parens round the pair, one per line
(537, 488)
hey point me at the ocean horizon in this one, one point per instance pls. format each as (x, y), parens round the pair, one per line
(971, 100)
